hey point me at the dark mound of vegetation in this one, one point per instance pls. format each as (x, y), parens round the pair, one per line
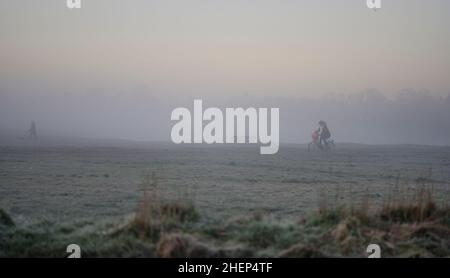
(5, 219)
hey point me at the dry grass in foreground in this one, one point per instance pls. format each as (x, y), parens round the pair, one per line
(416, 227)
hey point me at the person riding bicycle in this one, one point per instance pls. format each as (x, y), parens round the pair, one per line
(324, 135)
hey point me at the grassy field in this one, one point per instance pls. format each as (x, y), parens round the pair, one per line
(198, 202)
(417, 228)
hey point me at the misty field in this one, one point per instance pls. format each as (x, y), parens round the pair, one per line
(213, 201)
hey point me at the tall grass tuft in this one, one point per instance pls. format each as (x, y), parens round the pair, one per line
(421, 207)
(142, 219)
(154, 216)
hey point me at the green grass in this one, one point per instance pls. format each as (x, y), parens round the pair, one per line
(414, 228)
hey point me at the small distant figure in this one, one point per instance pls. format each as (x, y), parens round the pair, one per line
(325, 135)
(32, 132)
(315, 139)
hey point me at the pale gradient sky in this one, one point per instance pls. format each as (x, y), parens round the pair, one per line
(117, 68)
(232, 47)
